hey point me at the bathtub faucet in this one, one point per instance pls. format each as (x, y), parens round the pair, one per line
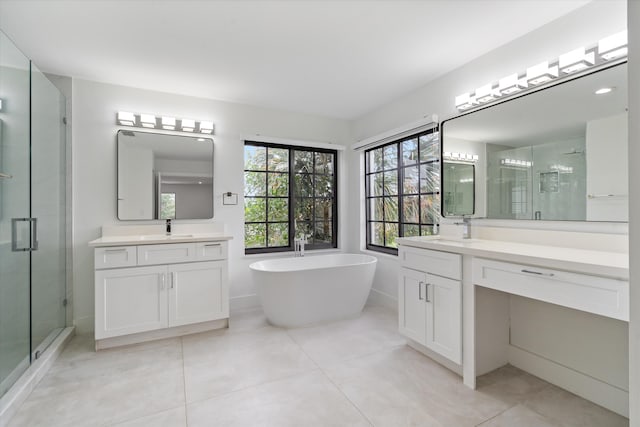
(298, 245)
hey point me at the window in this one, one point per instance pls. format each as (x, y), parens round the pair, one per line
(402, 184)
(168, 206)
(289, 192)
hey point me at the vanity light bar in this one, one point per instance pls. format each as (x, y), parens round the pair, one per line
(541, 73)
(576, 60)
(614, 46)
(149, 121)
(609, 48)
(461, 157)
(516, 162)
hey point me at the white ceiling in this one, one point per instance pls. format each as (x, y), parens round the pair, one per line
(333, 58)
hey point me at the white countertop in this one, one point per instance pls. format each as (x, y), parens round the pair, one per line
(154, 239)
(600, 263)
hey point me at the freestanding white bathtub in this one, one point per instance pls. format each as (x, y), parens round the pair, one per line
(305, 290)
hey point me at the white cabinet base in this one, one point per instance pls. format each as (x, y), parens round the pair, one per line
(161, 334)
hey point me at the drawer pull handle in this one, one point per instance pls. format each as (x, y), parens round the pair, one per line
(420, 290)
(426, 292)
(537, 272)
(115, 251)
(212, 245)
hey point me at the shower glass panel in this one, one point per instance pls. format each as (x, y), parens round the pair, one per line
(48, 262)
(14, 204)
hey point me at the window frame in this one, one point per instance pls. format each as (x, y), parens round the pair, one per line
(400, 171)
(291, 197)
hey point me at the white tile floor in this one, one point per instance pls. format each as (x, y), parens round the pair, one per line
(355, 372)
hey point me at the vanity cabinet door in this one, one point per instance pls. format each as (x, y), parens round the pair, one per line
(198, 292)
(130, 300)
(444, 317)
(412, 307)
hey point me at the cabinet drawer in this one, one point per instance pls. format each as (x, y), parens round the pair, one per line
(113, 257)
(211, 251)
(593, 294)
(166, 254)
(443, 264)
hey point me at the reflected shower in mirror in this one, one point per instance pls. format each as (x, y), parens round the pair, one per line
(164, 176)
(559, 153)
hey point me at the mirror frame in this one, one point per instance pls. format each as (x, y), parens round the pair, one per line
(565, 79)
(473, 211)
(164, 134)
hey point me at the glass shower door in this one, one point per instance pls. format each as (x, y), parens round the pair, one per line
(48, 185)
(15, 233)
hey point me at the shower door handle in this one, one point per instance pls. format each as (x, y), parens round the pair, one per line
(33, 234)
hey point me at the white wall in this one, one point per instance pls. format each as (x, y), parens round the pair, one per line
(94, 187)
(437, 97)
(634, 211)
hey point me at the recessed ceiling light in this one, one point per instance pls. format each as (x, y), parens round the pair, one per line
(604, 90)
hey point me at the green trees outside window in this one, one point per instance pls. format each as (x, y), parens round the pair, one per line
(289, 192)
(402, 190)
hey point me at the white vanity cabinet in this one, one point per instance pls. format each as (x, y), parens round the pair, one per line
(152, 287)
(430, 300)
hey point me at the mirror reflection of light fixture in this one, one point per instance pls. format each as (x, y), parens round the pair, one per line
(127, 119)
(486, 93)
(465, 101)
(460, 157)
(614, 46)
(541, 73)
(148, 120)
(576, 60)
(516, 162)
(511, 84)
(0, 104)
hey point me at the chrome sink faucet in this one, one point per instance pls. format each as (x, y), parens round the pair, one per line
(466, 227)
(168, 226)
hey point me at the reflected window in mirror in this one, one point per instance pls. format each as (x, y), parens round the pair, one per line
(402, 183)
(163, 176)
(289, 192)
(458, 188)
(559, 153)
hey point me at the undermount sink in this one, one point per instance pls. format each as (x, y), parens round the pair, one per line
(165, 236)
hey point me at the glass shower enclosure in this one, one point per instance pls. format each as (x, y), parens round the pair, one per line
(32, 213)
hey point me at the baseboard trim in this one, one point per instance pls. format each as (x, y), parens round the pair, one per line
(379, 298)
(244, 302)
(594, 390)
(161, 334)
(435, 356)
(18, 393)
(84, 325)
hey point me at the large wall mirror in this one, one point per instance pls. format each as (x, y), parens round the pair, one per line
(164, 176)
(556, 154)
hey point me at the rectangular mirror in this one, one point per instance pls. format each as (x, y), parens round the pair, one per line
(164, 176)
(559, 153)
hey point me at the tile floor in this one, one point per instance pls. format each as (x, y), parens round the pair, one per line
(355, 372)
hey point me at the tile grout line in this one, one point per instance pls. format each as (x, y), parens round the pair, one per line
(331, 381)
